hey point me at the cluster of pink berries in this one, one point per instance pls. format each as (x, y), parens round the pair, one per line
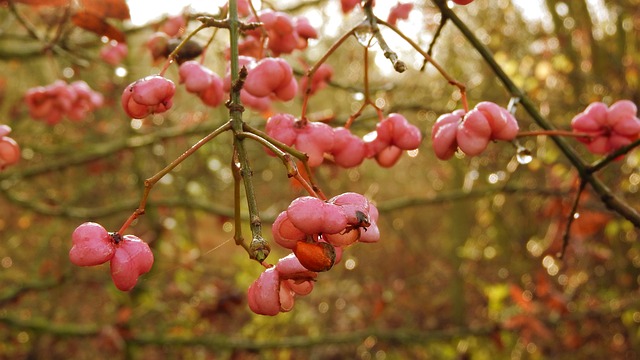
(392, 136)
(113, 52)
(150, 95)
(267, 80)
(9, 149)
(608, 128)
(276, 288)
(130, 257)
(203, 82)
(284, 33)
(52, 102)
(471, 132)
(317, 231)
(399, 12)
(348, 5)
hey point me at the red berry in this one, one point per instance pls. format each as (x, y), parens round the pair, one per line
(443, 134)
(264, 294)
(152, 94)
(132, 258)
(92, 245)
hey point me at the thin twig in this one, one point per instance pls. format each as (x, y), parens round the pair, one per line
(571, 218)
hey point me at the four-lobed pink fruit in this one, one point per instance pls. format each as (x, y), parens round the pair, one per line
(471, 132)
(276, 288)
(399, 12)
(203, 82)
(130, 257)
(114, 52)
(608, 128)
(149, 95)
(53, 102)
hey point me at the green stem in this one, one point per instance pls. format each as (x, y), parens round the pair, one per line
(259, 249)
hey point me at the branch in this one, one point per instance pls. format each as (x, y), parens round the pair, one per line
(607, 196)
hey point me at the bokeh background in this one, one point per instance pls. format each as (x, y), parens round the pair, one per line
(467, 266)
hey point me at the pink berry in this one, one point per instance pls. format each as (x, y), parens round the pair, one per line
(463, 2)
(348, 5)
(5, 130)
(152, 94)
(284, 233)
(132, 258)
(355, 208)
(271, 76)
(474, 133)
(213, 95)
(315, 139)
(114, 52)
(174, 26)
(314, 216)
(92, 245)
(264, 294)
(389, 156)
(398, 12)
(9, 149)
(282, 128)
(371, 234)
(348, 150)
(195, 76)
(443, 134)
(503, 125)
(290, 268)
(608, 128)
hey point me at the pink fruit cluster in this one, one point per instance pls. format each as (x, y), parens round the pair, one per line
(608, 128)
(271, 77)
(149, 95)
(53, 102)
(319, 80)
(284, 33)
(471, 132)
(313, 138)
(276, 288)
(129, 256)
(316, 231)
(312, 227)
(9, 149)
(267, 80)
(113, 52)
(203, 82)
(174, 26)
(399, 12)
(392, 136)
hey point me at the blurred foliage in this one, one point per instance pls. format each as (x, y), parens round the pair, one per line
(467, 264)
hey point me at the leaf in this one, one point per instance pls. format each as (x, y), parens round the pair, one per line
(116, 9)
(98, 25)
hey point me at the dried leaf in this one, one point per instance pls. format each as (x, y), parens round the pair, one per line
(116, 9)
(98, 25)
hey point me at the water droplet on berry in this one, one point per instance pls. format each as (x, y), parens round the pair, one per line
(523, 155)
(364, 35)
